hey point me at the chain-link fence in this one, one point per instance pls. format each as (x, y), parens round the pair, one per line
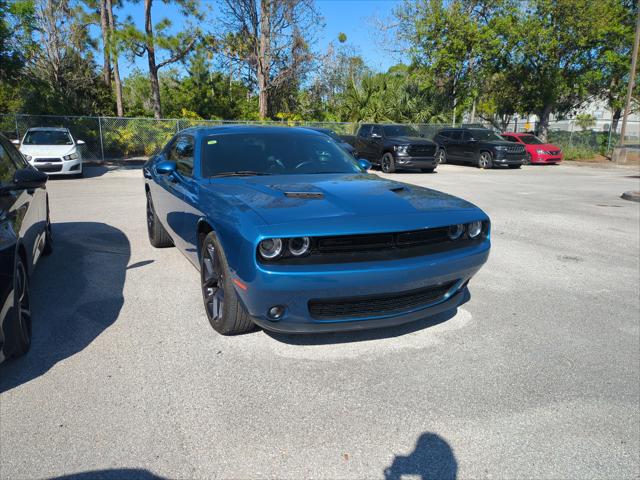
(117, 138)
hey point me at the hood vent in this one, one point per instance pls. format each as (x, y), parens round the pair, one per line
(316, 195)
(398, 189)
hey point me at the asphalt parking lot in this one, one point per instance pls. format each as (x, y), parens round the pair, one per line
(536, 376)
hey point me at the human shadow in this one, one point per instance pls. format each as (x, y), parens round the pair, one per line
(112, 474)
(432, 458)
(76, 293)
(372, 334)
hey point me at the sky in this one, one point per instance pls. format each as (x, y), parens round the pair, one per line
(356, 18)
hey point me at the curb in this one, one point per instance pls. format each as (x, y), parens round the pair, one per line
(632, 196)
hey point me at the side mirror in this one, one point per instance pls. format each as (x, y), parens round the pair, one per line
(364, 164)
(80, 142)
(166, 167)
(472, 140)
(27, 178)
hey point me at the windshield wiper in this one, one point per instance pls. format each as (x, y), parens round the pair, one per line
(240, 173)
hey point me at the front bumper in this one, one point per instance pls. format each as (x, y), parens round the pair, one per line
(406, 161)
(58, 166)
(538, 158)
(503, 158)
(294, 287)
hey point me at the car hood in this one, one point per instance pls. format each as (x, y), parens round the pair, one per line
(343, 199)
(47, 150)
(410, 140)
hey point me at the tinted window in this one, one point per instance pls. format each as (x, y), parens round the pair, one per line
(181, 152)
(47, 137)
(531, 140)
(364, 131)
(400, 131)
(7, 167)
(377, 130)
(456, 135)
(482, 134)
(445, 133)
(509, 138)
(466, 136)
(274, 154)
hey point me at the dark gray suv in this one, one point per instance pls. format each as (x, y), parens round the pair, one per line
(478, 146)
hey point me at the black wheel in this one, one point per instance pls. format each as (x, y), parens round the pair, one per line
(441, 156)
(428, 170)
(485, 160)
(224, 309)
(387, 163)
(158, 236)
(527, 159)
(22, 308)
(48, 235)
(515, 166)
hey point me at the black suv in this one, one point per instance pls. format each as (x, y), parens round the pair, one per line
(479, 146)
(395, 146)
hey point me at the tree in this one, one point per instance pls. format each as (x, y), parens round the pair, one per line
(585, 120)
(271, 41)
(114, 40)
(156, 38)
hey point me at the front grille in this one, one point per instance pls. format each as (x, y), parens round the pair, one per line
(422, 150)
(47, 160)
(362, 243)
(49, 168)
(554, 152)
(375, 305)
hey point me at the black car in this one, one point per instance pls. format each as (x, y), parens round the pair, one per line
(393, 147)
(478, 146)
(340, 141)
(25, 236)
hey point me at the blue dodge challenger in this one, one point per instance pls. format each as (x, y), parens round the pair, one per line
(291, 233)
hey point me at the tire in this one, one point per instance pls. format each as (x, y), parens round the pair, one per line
(224, 310)
(485, 161)
(428, 170)
(22, 308)
(387, 163)
(48, 236)
(158, 236)
(515, 167)
(441, 156)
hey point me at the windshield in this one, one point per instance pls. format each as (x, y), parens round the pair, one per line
(47, 137)
(331, 134)
(274, 154)
(531, 140)
(486, 135)
(399, 131)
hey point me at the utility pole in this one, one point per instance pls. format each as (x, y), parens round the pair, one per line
(621, 151)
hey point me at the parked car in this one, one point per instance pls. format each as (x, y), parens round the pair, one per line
(478, 146)
(537, 151)
(26, 235)
(393, 147)
(291, 233)
(347, 146)
(52, 150)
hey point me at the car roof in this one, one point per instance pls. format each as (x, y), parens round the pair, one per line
(520, 134)
(248, 130)
(47, 129)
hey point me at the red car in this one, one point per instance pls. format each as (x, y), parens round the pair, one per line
(537, 150)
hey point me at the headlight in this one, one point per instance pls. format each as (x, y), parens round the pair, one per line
(71, 156)
(455, 231)
(27, 157)
(401, 148)
(299, 246)
(474, 229)
(501, 148)
(542, 152)
(270, 248)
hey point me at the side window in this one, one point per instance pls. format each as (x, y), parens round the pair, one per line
(15, 155)
(445, 133)
(364, 131)
(376, 130)
(456, 135)
(7, 167)
(466, 136)
(181, 152)
(509, 138)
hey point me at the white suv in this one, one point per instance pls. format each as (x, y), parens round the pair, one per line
(52, 150)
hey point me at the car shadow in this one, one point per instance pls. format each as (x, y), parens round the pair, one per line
(76, 294)
(432, 458)
(112, 474)
(367, 335)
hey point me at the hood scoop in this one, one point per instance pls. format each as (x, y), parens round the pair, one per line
(399, 189)
(309, 195)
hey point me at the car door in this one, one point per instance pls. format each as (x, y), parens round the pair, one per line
(467, 147)
(454, 145)
(377, 142)
(362, 142)
(184, 216)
